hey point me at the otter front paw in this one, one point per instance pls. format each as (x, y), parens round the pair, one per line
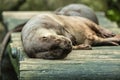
(82, 47)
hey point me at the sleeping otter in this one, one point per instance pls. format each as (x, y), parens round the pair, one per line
(78, 10)
(51, 36)
(82, 10)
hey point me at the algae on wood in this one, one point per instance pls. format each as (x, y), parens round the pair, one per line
(101, 63)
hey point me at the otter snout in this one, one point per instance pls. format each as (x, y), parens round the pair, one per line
(64, 43)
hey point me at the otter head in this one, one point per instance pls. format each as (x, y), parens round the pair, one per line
(50, 47)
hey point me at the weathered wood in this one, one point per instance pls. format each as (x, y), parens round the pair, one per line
(15, 18)
(71, 70)
(101, 63)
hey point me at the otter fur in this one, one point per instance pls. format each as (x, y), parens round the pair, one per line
(81, 10)
(51, 36)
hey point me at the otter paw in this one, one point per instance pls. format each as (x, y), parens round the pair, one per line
(82, 47)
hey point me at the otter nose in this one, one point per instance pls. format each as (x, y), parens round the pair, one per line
(67, 42)
(64, 41)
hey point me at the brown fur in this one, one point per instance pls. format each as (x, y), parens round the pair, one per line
(51, 36)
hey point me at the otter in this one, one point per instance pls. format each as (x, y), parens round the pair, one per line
(51, 36)
(81, 10)
(69, 10)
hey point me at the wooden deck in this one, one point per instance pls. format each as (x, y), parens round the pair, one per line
(101, 63)
(93, 65)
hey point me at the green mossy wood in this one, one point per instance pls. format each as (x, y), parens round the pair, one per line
(101, 63)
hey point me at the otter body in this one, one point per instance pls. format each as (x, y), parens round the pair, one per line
(51, 36)
(78, 10)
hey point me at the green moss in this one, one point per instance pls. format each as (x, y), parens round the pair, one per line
(14, 61)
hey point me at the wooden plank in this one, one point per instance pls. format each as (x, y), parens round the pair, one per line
(70, 69)
(15, 18)
(101, 63)
(15, 52)
(14, 60)
(80, 64)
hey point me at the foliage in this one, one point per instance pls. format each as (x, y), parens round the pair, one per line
(113, 11)
(111, 7)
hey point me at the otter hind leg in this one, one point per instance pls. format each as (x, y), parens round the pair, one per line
(106, 33)
(112, 41)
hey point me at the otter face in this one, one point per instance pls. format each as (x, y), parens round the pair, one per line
(51, 47)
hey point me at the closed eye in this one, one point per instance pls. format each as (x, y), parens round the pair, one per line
(44, 38)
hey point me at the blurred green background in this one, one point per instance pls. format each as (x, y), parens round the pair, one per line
(110, 7)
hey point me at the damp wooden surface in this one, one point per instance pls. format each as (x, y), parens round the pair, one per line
(97, 64)
(101, 63)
